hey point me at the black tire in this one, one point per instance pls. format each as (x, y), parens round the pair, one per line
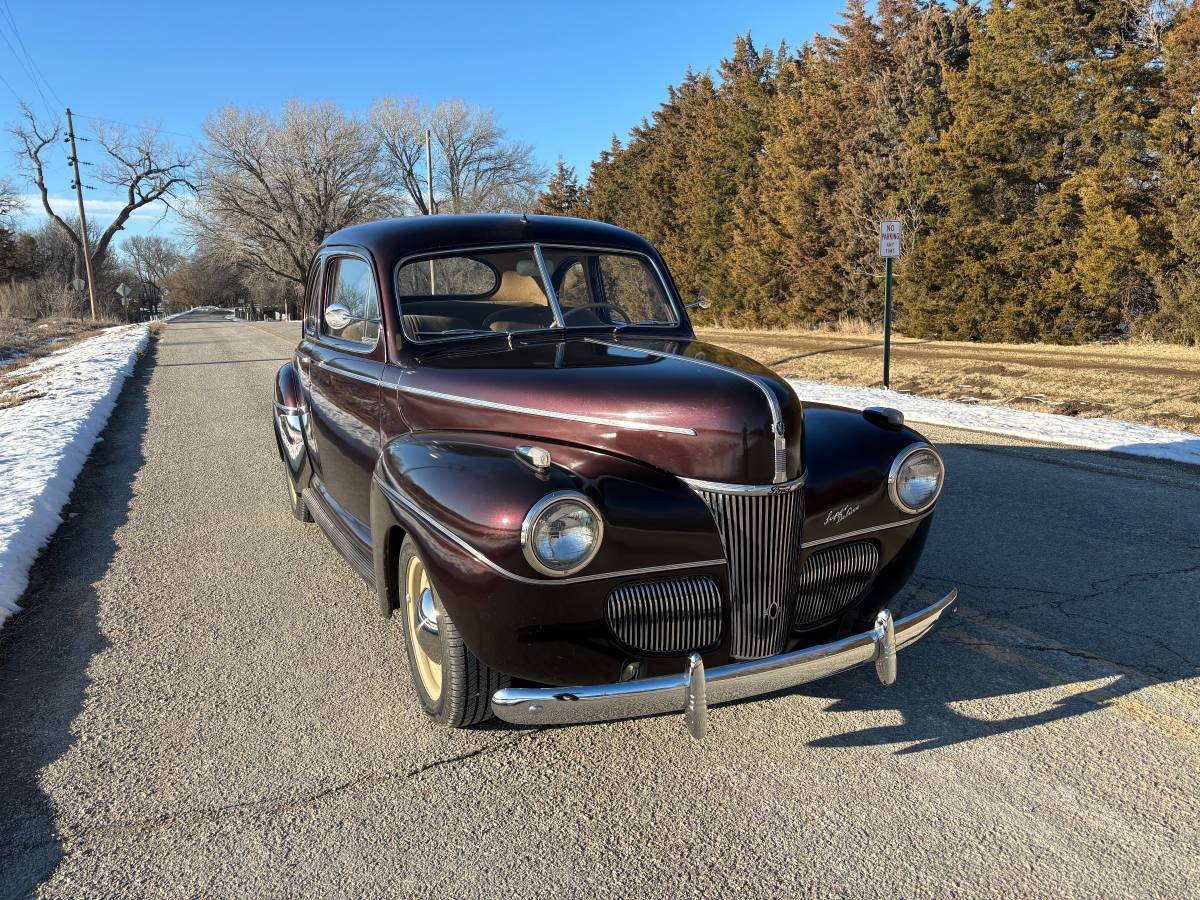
(295, 499)
(464, 689)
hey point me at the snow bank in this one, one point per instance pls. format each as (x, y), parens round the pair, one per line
(1092, 434)
(45, 441)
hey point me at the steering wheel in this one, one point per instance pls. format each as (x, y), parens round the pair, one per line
(578, 309)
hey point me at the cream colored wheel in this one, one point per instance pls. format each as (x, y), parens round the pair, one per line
(421, 624)
(453, 685)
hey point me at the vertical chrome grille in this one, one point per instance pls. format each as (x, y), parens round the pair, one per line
(667, 616)
(761, 534)
(833, 579)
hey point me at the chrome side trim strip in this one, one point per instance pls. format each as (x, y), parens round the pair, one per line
(399, 498)
(631, 424)
(861, 531)
(364, 378)
(720, 487)
(779, 462)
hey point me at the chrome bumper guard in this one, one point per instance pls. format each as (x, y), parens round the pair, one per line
(693, 690)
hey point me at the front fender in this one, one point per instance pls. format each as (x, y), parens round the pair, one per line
(849, 457)
(462, 499)
(477, 487)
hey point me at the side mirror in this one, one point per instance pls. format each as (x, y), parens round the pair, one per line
(337, 316)
(702, 301)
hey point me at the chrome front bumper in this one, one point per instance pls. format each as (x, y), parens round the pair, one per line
(693, 690)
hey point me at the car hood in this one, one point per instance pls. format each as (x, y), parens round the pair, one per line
(688, 407)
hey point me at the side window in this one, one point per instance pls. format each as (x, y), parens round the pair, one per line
(573, 288)
(349, 286)
(630, 284)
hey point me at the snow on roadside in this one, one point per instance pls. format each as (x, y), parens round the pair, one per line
(1092, 434)
(45, 441)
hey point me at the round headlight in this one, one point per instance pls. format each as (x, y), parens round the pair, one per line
(916, 479)
(561, 533)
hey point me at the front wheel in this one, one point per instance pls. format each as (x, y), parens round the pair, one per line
(454, 687)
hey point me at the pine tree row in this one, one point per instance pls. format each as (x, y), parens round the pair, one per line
(1042, 155)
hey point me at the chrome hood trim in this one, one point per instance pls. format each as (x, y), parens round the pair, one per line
(630, 424)
(720, 487)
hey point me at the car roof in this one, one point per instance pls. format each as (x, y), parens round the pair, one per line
(392, 239)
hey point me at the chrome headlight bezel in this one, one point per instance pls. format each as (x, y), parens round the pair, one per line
(541, 508)
(893, 477)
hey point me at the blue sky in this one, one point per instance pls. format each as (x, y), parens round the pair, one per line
(562, 77)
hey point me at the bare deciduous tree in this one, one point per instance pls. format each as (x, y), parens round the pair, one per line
(399, 126)
(271, 190)
(202, 279)
(476, 169)
(10, 202)
(143, 165)
(152, 257)
(479, 170)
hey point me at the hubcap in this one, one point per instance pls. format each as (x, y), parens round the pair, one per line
(421, 623)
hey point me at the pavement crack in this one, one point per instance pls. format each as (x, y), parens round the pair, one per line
(1045, 648)
(68, 837)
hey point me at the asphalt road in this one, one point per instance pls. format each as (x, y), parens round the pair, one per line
(200, 699)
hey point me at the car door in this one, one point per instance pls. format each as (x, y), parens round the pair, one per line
(342, 362)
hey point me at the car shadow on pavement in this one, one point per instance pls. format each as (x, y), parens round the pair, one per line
(46, 649)
(1078, 585)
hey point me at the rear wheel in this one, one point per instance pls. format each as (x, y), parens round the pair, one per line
(453, 686)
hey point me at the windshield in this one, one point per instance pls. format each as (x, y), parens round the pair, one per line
(503, 291)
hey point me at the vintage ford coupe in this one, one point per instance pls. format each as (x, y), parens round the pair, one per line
(578, 511)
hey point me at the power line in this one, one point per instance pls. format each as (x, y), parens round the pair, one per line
(10, 87)
(191, 137)
(33, 62)
(28, 72)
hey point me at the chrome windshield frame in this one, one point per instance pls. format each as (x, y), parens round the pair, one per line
(548, 284)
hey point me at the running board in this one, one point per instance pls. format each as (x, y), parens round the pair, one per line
(344, 542)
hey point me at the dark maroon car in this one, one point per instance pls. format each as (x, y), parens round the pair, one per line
(580, 512)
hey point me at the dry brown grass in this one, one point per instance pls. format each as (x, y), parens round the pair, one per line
(1157, 384)
(24, 340)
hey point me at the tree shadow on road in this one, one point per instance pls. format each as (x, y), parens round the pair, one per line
(46, 649)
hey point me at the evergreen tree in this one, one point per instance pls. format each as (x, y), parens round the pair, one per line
(1044, 222)
(1177, 141)
(563, 195)
(1042, 156)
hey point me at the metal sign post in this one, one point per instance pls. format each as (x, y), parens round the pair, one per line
(123, 292)
(889, 249)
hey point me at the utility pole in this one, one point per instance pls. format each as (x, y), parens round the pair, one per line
(83, 231)
(429, 170)
(429, 193)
